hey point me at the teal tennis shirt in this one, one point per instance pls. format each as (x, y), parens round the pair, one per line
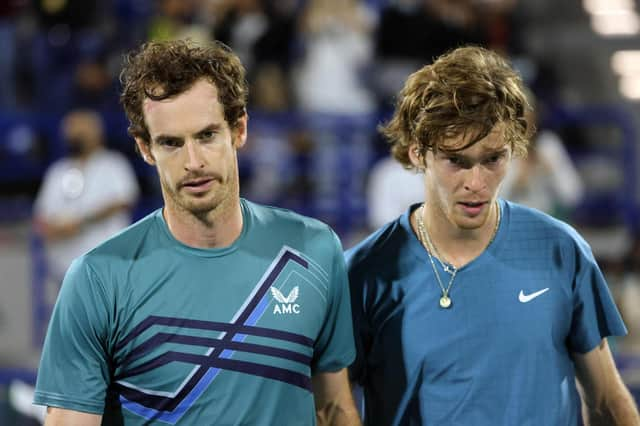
(147, 330)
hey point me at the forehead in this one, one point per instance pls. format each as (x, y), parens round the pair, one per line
(188, 112)
(494, 141)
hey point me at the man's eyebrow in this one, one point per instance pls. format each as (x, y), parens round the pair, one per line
(461, 156)
(213, 127)
(166, 138)
(450, 154)
(497, 151)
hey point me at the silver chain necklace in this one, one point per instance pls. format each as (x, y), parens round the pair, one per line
(448, 267)
(445, 300)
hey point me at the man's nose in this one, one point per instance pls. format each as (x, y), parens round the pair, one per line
(195, 159)
(475, 181)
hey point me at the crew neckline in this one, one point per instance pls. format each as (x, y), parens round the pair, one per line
(420, 252)
(208, 252)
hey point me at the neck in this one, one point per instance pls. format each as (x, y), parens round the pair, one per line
(216, 228)
(455, 245)
(85, 155)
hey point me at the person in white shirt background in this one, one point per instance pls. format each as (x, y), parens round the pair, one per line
(86, 196)
(390, 189)
(547, 178)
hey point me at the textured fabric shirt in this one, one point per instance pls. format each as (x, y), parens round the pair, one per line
(500, 355)
(151, 331)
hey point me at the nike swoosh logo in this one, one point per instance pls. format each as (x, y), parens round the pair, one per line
(524, 298)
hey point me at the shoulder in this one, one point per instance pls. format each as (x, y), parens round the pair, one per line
(111, 155)
(280, 220)
(527, 222)
(274, 228)
(57, 167)
(107, 158)
(101, 272)
(372, 253)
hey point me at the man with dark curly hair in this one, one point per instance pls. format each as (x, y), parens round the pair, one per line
(212, 310)
(469, 309)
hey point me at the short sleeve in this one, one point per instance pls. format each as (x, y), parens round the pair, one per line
(595, 315)
(334, 349)
(74, 372)
(361, 329)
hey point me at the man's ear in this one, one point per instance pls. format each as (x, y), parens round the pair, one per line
(145, 151)
(239, 132)
(416, 156)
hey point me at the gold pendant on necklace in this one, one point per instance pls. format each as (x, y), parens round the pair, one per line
(445, 302)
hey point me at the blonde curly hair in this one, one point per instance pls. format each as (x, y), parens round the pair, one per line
(467, 92)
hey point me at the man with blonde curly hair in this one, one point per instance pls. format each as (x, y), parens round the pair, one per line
(469, 309)
(212, 310)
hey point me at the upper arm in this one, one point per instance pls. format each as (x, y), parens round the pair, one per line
(607, 401)
(360, 291)
(334, 348)
(74, 370)
(598, 376)
(62, 417)
(333, 399)
(329, 386)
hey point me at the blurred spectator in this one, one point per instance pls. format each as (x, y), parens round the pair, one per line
(73, 15)
(337, 55)
(85, 197)
(8, 41)
(262, 33)
(630, 295)
(67, 32)
(390, 189)
(498, 19)
(239, 24)
(176, 19)
(271, 89)
(413, 32)
(546, 179)
(93, 85)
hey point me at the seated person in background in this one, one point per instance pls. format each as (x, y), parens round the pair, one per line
(546, 179)
(390, 189)
(86, 196)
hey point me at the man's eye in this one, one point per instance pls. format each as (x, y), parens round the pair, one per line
(207, 135)
(455, 160)
(172, 143)
(494, 159)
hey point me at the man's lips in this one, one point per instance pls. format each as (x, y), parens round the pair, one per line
(472, 203)
(198, 184)
(472, 207)
(197, 181)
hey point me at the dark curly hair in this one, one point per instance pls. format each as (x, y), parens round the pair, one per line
(464, 92)
(161, 70)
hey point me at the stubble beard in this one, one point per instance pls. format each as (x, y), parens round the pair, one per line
(206, 208)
